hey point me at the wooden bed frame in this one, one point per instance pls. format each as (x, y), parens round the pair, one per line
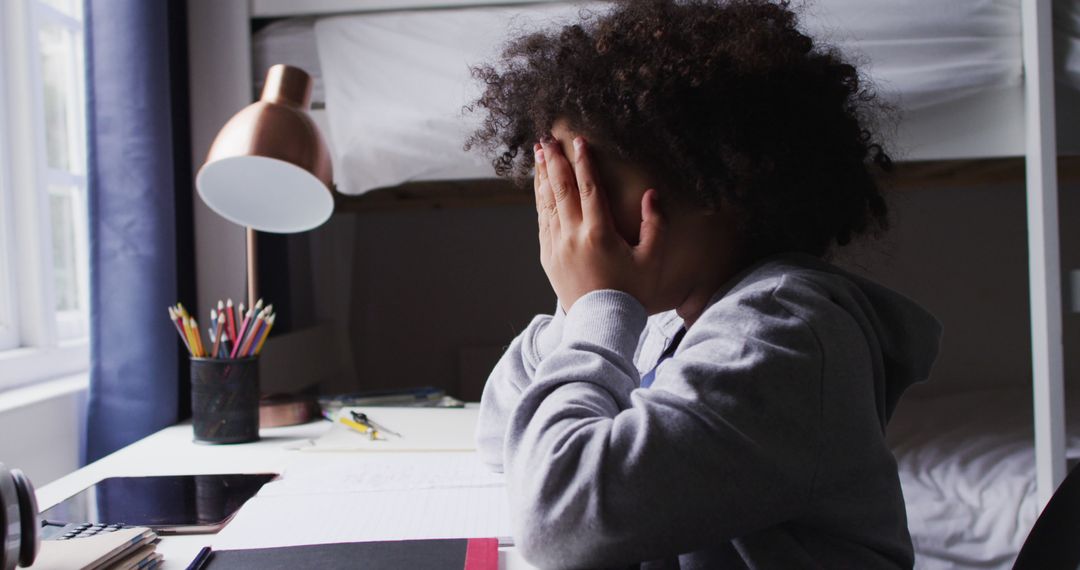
(480, 192)
(1002, 135)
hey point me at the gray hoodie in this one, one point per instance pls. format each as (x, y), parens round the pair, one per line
(760, 444)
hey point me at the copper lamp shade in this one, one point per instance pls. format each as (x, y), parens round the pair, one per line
(269, 168)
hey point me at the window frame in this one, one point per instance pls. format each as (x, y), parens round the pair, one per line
(26, 278)
(9, 316)
(46, 14)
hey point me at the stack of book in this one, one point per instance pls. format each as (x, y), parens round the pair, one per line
(123, 549)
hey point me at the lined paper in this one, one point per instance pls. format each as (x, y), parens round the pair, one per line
(362, 473)
(289, 520)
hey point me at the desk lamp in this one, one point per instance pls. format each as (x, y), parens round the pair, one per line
(269, 168)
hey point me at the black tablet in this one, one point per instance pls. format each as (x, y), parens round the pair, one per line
(169, 504)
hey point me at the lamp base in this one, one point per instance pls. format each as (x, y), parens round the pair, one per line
(280, 410)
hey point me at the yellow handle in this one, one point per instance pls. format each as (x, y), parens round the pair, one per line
(354, 425)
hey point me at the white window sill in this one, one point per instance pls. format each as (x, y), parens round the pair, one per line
(43, 391)
(23, 366)
(50, 418)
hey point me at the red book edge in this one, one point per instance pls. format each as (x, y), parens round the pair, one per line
(482, 554)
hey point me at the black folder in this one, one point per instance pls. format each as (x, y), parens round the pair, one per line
(456, 554)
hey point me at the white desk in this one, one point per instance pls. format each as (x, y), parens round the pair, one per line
(171, 451)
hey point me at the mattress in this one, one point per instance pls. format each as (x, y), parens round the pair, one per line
(395, 83)
(967, 467)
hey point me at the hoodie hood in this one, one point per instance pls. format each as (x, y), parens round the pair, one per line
(907, 335)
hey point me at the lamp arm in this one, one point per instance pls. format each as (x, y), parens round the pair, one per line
(252, 267)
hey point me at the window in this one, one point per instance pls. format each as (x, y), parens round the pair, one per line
(8, 324)
(44, 299)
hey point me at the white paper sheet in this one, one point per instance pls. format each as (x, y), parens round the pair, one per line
(361, 473)
(422, 429)
(476, 512)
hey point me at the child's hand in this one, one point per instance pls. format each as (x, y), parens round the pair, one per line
(580, 249)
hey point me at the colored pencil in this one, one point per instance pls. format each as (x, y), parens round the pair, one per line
(240, 335)
(198, 337)
(189, 333)
(225, 346)
(230, 319)
(266, 333)
(246, 334)
(191, 339)
(216, 337)
(229, 337)
(178, 324)
(261, 335)
(249, 340)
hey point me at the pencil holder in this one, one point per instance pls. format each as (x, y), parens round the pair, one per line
(225, 399)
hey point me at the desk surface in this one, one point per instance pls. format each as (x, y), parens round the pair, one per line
(172, 451)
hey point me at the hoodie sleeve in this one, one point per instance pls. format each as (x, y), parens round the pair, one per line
(513, 373)
(725, 442)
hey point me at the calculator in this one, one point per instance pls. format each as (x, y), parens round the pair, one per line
(66, 531)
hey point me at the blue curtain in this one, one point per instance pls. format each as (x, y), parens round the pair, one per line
(134, 180)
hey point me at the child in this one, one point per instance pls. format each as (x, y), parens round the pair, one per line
(710, 393)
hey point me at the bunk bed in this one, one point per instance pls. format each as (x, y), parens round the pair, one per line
(975, 82)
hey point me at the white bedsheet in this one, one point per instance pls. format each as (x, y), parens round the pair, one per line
(395, 82)
(967, 468)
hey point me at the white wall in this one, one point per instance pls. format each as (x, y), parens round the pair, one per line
(219, 61)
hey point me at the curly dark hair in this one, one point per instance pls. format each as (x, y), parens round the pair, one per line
(726, 101)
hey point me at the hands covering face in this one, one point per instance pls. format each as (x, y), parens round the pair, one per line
(580, 249)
